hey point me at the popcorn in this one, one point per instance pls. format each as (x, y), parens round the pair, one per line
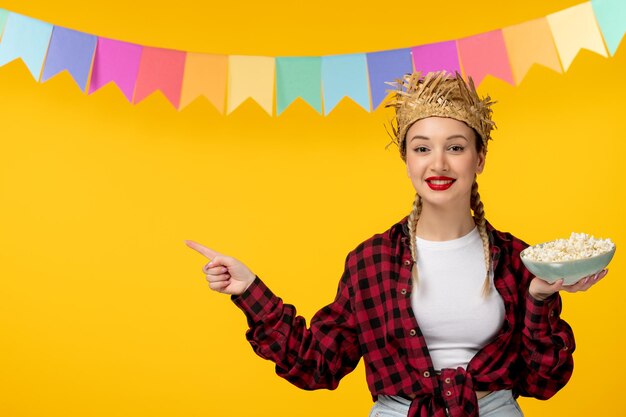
(578, 246)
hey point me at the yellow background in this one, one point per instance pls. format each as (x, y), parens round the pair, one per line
(105, 312)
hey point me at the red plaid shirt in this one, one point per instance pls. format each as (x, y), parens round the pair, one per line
(371, 317)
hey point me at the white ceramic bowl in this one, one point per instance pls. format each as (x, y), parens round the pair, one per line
(570, 271)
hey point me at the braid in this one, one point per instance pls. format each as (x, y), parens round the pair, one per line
(479, 219)
(412, 223)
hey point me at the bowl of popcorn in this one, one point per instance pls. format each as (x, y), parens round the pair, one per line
(569, 259)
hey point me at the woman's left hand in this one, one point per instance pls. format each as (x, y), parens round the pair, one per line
(541, 289)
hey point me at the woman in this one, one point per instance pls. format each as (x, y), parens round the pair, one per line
(464, 337)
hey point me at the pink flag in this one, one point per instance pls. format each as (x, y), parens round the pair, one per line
(436, 57)
(160, 69)
(115, 61)
(484, 54)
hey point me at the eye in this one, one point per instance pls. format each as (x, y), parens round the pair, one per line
(456, 148)
(420, 149)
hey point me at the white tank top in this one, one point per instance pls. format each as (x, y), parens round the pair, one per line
(454, 316)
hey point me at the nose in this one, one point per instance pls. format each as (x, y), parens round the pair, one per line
(440, 162)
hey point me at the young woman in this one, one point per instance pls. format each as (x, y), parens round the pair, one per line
(448, 320)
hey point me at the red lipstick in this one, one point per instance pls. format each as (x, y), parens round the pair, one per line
(439, 183)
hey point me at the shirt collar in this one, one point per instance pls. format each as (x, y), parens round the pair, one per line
(400, 230)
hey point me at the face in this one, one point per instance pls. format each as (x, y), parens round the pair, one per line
(442, 160)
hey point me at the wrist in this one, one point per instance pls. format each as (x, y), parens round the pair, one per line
(538, 297)
(541, 297)
(250, 281)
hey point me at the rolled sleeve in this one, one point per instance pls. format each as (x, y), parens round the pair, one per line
(257, 301)
(542, 315)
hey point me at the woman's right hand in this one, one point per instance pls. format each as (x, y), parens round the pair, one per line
(224, 273)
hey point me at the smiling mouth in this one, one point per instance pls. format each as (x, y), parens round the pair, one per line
(439, 183)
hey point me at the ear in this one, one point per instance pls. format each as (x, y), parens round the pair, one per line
(481, 162)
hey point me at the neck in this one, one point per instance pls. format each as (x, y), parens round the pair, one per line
(440, 224)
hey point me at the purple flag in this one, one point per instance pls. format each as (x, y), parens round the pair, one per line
(116, 61)
(436, 57)
(386, 66)
(70, 50)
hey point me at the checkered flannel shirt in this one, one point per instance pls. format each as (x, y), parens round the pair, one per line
(371, 317)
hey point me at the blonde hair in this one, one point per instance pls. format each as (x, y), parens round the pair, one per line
(479, 219)
(445, 95)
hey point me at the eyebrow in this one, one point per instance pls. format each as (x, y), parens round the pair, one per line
(449, 138)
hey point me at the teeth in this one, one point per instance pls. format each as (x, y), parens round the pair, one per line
(441, 182)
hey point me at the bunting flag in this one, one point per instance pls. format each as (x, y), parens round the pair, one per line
(573, 29)
(386, 66)
(436, 57)
(226, 81)
(205, 75)
(344, 76)
(72, 51)
(160, 69)
(25, 38)
(3, 20)
(298, 77)
(118, 62)
(250, 76)
(485, 54)
(530, 43)
(611, 16)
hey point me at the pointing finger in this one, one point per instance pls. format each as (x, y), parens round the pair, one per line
(209, 253)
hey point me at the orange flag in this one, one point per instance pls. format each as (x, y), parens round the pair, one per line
(530, 43)
(205, 75)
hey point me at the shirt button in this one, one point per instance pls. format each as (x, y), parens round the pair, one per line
(412, 332)
(403, 291)
(565, 348)
(426, 374)
(407, 262)
(448, 393)
(447, 380)
(552, 313)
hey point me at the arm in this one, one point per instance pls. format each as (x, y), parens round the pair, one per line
(547, 347)
(309, 357)
(547, 341)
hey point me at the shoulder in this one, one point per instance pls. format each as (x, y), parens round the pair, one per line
(388, 238)
(505, 240)
(381, 250)
(385, 246)
(507, 248)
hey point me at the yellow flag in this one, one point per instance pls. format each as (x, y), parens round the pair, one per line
(575, 28)
(251, 76)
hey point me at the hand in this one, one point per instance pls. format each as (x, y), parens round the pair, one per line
(541, 289)
(224, 274)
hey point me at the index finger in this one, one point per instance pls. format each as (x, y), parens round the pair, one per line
(209, 253)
